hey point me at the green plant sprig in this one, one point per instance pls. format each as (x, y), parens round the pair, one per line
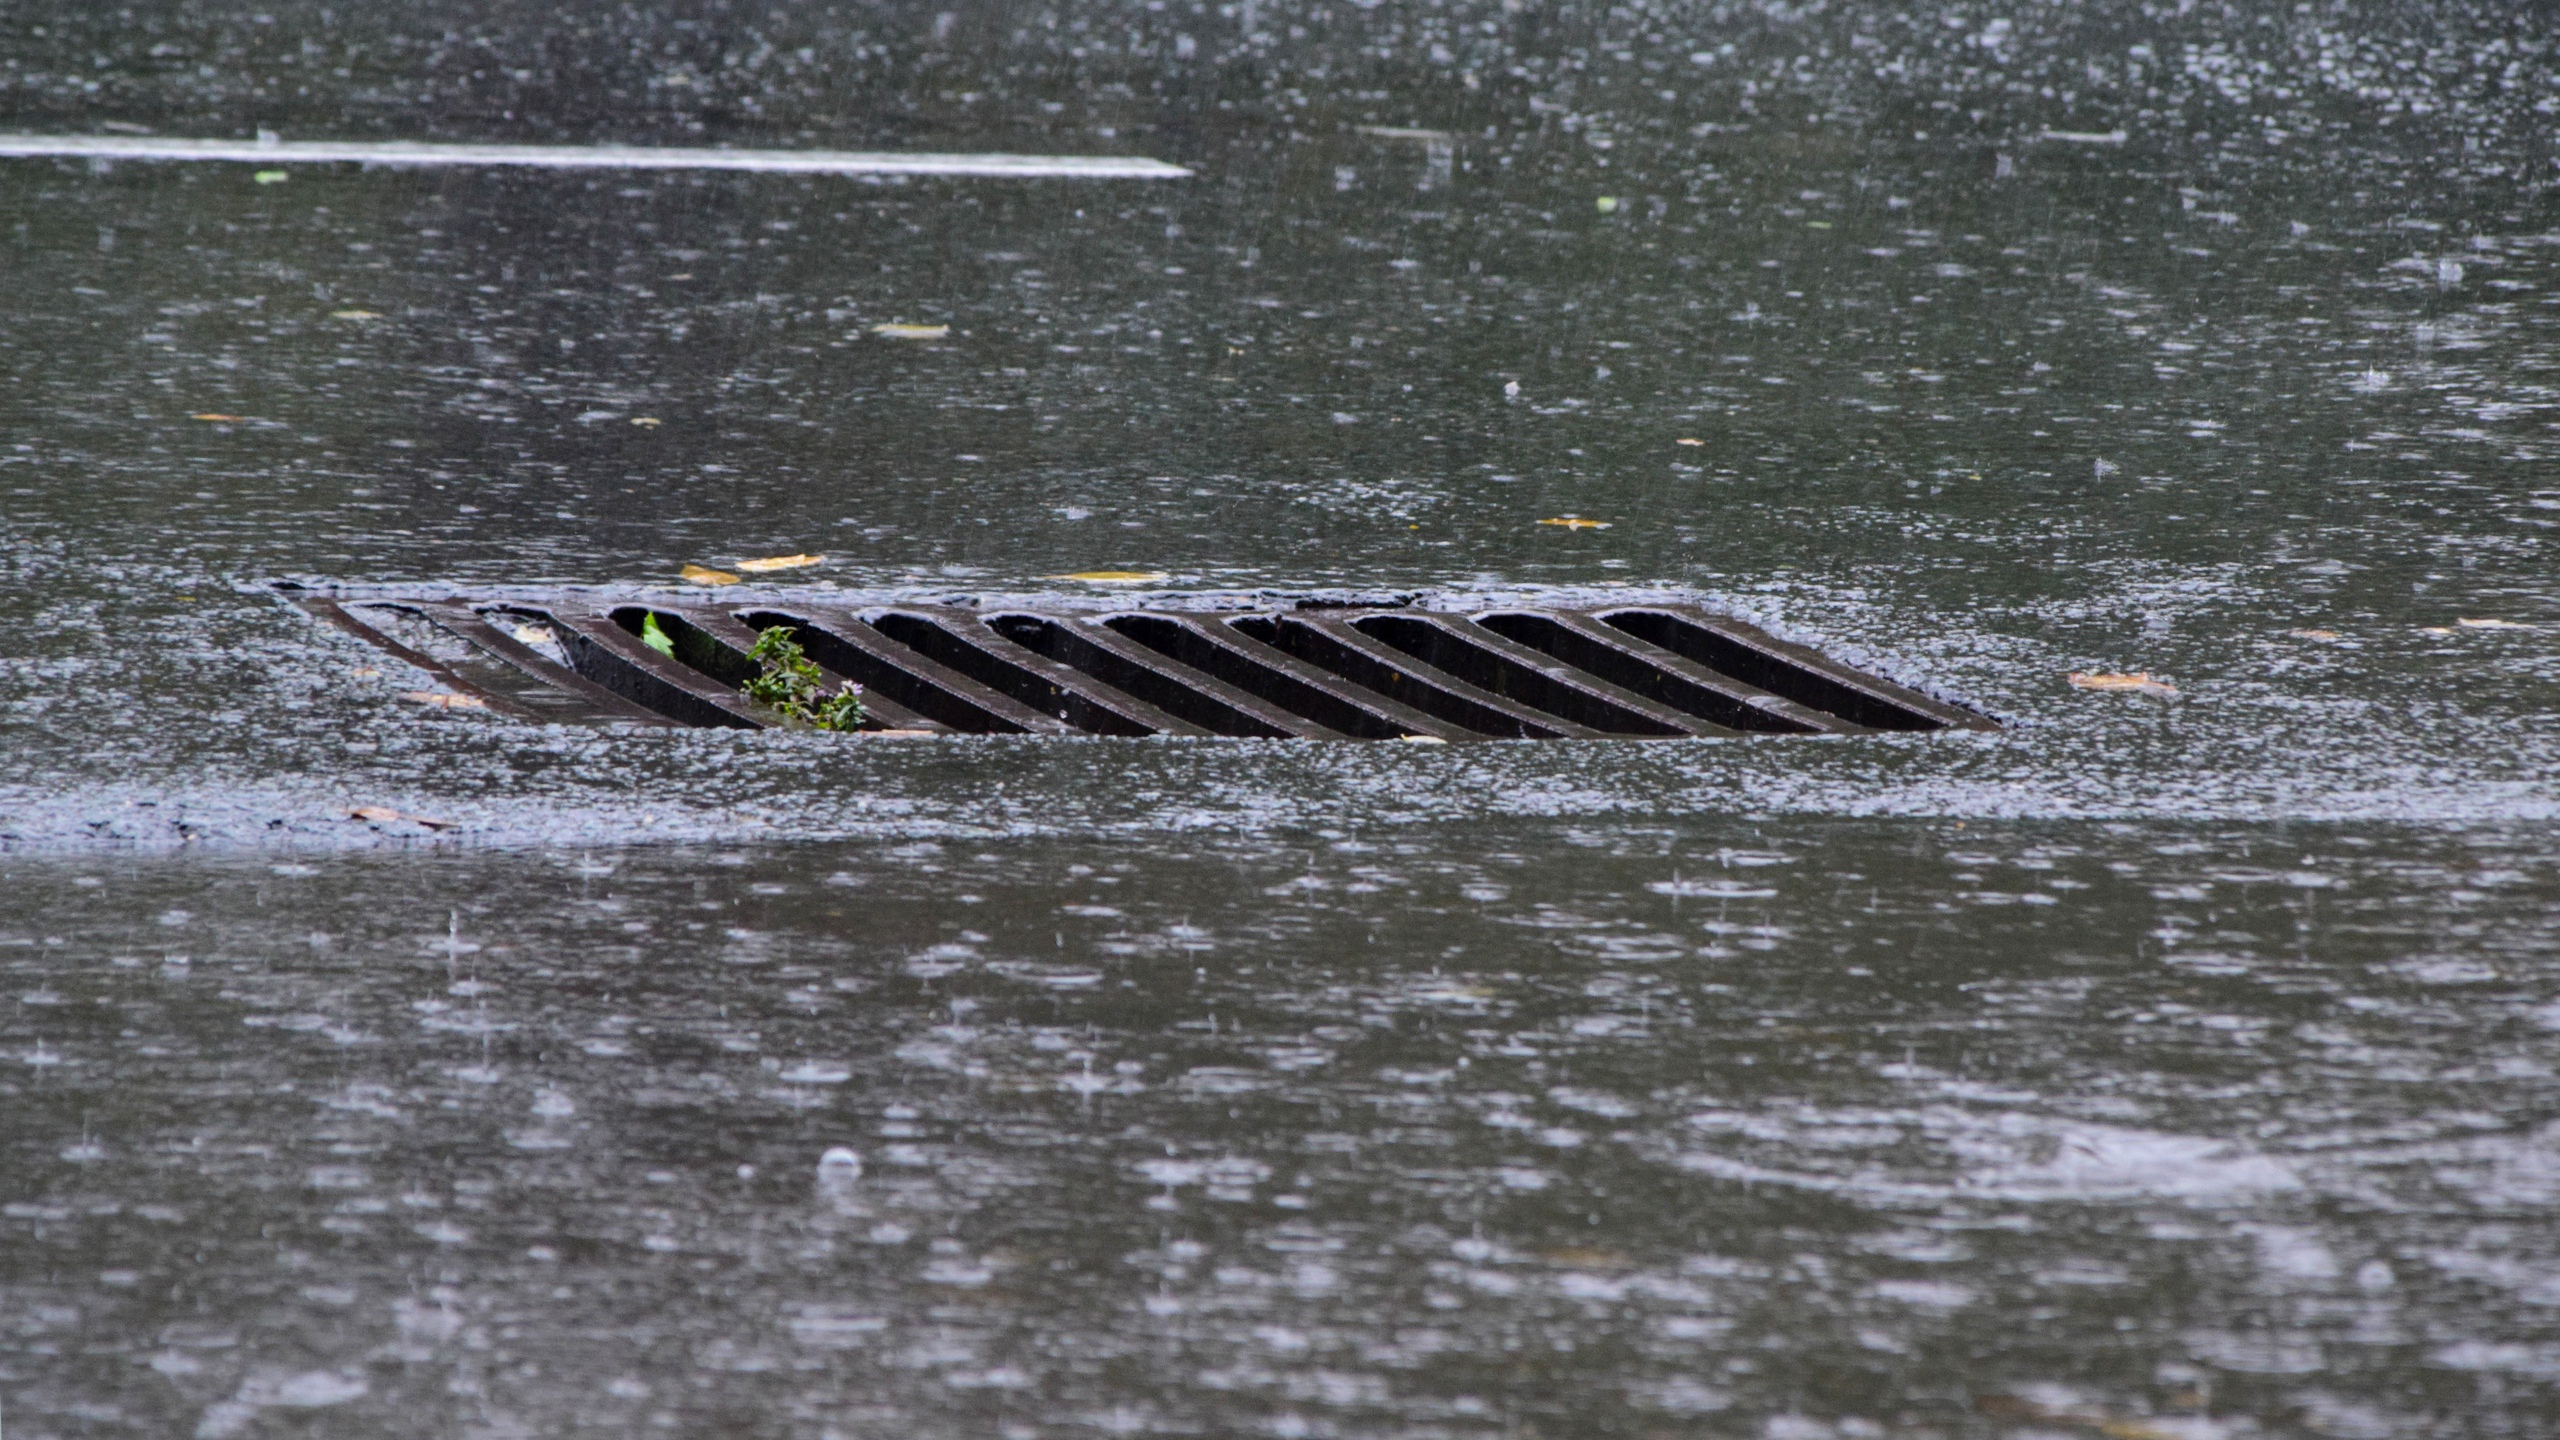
(793, 685)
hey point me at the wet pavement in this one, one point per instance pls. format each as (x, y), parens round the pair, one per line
(2174, 1065)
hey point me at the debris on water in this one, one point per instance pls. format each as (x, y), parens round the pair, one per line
(353, 315)
(895, 331)
(1115, 577)
(1688, 440)
(781, 562)
(2313, 634)
(654, 637)
(2084, 137)
(646, 422)
(272, 177)
(445, 699)
(793, 685)
(1423, 740)
(704, 575)
(385, 815)
(2138, 682)
(1607, 204)
(1511, 390)
(216, 417)
(2470, 624)
(1576, 522)
(540, 640)
(841, 1162)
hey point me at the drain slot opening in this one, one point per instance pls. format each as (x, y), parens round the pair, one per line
(1632, 673)
(1210, 655)
(604, 664)
(1442, 648)
(1311, 644)
(877, 674)
(1055, 640)
(1768, 670)
(999, 674)
(695, 647)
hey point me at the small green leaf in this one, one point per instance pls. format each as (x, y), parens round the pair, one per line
(793, 684)
(655, 638)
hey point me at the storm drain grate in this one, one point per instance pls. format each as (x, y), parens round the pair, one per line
(1317, 672)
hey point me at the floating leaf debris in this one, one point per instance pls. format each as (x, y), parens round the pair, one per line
(704, 575)
(911, 332)
(781, 562)
(216, 418)
(655, 637)
(1576, 522)
(2139, 682)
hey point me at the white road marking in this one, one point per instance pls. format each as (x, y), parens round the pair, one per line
(271, 151)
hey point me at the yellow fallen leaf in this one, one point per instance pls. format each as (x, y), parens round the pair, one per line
(646, 422)
(1576, 522)
(780, 562)
(2313, 634)
(385, 815)
(1114, 577)
(2491, 625)
(2137, 681)
(911, 332)
(353, 315)
(216, 417)
(444, 700)
(1685, 440)
(704, 575)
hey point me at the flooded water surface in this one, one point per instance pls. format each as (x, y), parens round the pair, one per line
(2174, 1061)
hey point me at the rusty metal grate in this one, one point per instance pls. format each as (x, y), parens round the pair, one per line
(1313, 671)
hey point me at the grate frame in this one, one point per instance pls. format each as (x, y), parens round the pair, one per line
(1640, 670)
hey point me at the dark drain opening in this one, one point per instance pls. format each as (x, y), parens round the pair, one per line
(1195, 644)
(1758, 660)
(1728, 704)
(593, 653)
(1650, 671)
(982, 664)
(1195, 697)
(694, 646)
(836, 649)
(1438, 643)
(1332, 645)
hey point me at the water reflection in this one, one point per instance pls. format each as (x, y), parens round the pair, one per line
(1840, 1128)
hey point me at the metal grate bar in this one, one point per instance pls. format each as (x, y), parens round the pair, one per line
(848, 647)
(1807, 677)
(1161, 681)
(1285, 681)
(1331, 642)
(964, 643)
(1519, 672)
(603, 651)
(1515, 672)
(1658, 674)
